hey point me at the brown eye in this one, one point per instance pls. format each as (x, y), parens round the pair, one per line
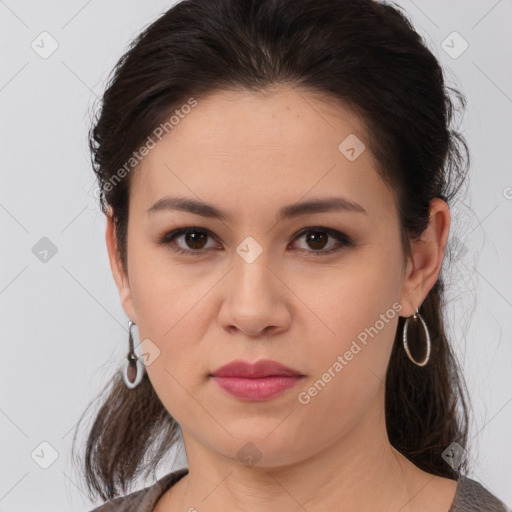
(193, 240)
(317, 239)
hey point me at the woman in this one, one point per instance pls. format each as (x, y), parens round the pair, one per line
(276, 179)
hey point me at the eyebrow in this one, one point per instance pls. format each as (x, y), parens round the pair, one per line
(326, 204)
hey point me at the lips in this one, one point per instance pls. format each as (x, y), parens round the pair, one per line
(259, 381)
(263, 368)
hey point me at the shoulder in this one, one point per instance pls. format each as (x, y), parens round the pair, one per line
(145, 499)
(471, 496)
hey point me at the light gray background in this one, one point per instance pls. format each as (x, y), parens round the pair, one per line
(63, 328)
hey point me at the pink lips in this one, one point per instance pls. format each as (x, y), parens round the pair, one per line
(259, 381)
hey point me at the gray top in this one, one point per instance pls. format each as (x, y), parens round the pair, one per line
(470, 496)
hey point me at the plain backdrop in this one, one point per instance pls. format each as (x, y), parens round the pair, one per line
(63, 328)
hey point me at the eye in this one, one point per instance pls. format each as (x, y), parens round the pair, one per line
(195, 240)
(193, 237)
(317, 237)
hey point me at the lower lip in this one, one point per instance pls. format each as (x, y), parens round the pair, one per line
(260, 389)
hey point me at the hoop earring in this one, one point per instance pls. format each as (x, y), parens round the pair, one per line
(427, 335)
(133, 369)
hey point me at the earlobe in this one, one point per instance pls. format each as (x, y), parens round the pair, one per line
(118, 273)
(427, 257)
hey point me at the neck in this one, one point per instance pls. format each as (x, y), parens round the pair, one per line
(359, 471)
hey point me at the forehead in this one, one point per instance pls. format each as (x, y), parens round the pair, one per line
(247, 149)
(282, 117)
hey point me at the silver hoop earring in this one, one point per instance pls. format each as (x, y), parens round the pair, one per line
(133, 369)
(417, 316)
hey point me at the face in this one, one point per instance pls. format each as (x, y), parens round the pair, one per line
(318, 291)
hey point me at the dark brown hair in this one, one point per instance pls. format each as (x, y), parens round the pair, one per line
(358, 53)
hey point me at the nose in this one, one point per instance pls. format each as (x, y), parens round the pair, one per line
(255, 299)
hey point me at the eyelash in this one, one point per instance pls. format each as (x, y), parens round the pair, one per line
(341, 237)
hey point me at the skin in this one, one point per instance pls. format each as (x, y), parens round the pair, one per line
(249, 154)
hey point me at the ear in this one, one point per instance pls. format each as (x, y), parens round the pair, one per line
(120, 277)
(424, 266)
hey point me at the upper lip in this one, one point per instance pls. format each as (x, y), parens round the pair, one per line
(262, 368)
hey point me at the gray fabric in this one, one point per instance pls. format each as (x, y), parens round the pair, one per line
(473, 497)
(145, 499)
(469, 497)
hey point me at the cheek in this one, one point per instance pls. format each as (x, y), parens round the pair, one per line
(180, 370)
(351, 355)
(162, 292)
(354, 299)
(172, 312)
(348, 385)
